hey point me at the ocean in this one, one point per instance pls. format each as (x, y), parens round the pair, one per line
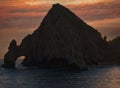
(94, 77)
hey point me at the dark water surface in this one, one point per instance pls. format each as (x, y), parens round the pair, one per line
(95, 77)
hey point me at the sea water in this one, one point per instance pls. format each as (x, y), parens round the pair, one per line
(94, 77)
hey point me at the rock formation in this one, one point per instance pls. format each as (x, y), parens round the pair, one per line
(10, 56)
(62, 40)
(114, 53)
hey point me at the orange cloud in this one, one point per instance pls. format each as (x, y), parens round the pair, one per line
(65, 2)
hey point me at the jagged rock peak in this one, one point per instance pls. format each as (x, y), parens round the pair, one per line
(58, 9)
(58, 6)
(58, 14)
(13, 44)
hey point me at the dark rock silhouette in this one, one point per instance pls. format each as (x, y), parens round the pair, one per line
(114, 53)
(10, 57)
(62, 40)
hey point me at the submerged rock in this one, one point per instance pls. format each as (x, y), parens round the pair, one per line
(62, 40)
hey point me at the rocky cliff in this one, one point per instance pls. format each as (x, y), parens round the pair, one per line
(114, 51)
(61, 40)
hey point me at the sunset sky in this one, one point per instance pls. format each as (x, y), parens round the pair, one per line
(21, 17)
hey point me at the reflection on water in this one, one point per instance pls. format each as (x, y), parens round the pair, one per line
(95, 77)
(114, 77)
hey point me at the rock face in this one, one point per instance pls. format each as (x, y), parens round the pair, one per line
(115, 50)
(62, 40)
(10, 57)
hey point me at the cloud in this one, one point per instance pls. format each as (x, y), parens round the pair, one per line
(108, 27)
(97, 11)
(39, 2)
(21, 15)
(68, 2)
(21, 23)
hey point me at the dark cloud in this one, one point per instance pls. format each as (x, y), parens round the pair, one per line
(97, 11)
(21, 22)
(26, 9)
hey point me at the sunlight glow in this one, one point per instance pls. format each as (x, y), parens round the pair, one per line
(37, 2)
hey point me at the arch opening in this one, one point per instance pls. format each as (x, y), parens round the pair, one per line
(18, 62)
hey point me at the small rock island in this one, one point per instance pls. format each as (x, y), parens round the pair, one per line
(63, 40)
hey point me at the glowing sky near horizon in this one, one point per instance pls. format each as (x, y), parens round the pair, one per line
(21, 17)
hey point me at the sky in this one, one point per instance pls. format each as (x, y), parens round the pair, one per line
(19, 18)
